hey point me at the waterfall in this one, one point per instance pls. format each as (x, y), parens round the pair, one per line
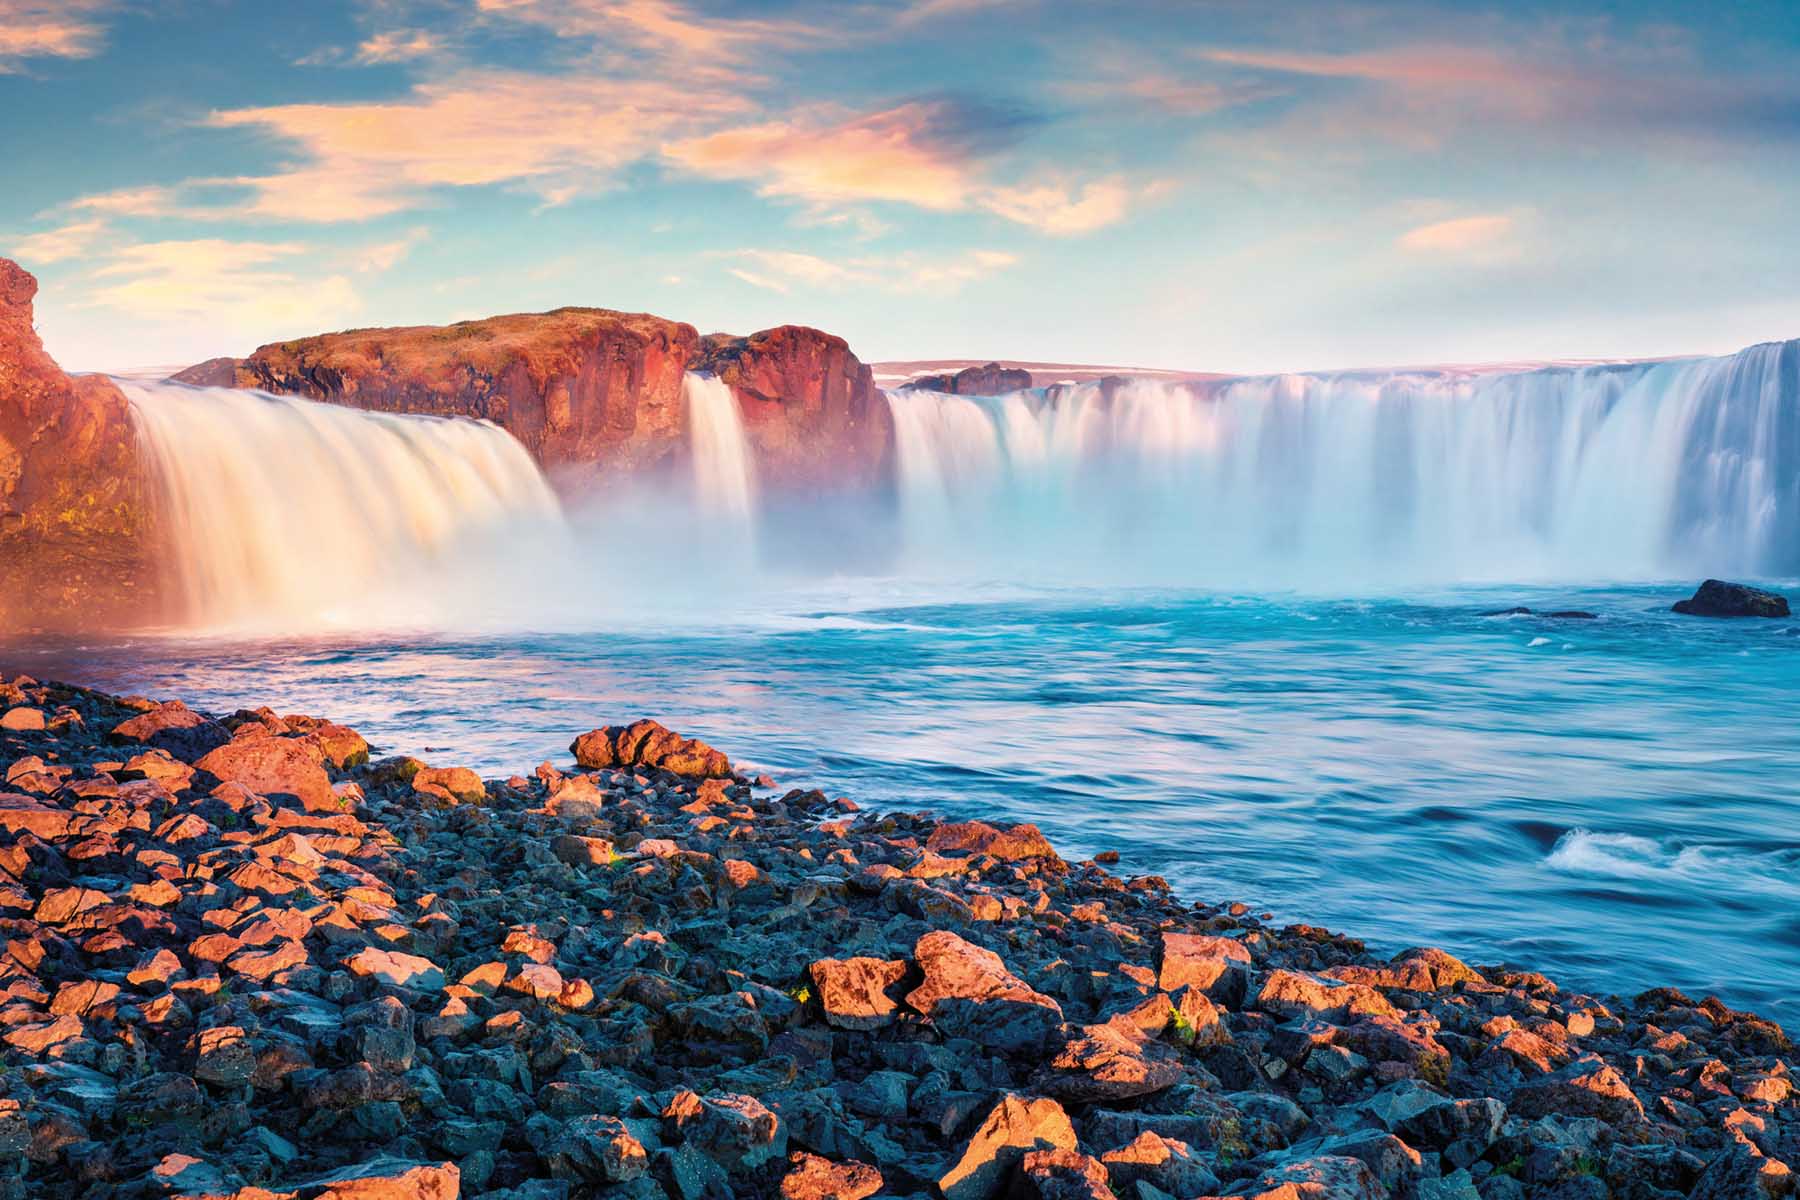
(288, 512)
(1362, 479)
(724, 479)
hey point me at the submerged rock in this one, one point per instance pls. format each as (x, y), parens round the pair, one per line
(1716, 598)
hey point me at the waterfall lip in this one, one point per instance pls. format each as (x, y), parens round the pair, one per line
(1612, 470)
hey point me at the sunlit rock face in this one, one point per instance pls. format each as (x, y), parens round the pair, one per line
(811, 408)
(587, 388)
(576, 386)
(78, 543)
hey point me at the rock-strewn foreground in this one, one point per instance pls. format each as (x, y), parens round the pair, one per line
(243, 960)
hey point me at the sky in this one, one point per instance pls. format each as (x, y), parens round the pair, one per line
(1219, 185)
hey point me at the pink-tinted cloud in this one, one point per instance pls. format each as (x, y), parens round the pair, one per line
(918, 154)
(51, 29)
(57, 245)
(786, 271)
(554, 136)
(1459, 234)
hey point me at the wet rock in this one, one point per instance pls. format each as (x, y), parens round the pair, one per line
(968, 992)
(1012, 1128)
(1716, 598)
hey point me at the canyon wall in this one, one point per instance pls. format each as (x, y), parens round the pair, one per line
(78, 535)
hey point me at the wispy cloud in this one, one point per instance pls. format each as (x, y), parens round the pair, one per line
(385, 256)
(1061, 209)
(1480, 238)
(51, 29)
(230, 285)
(56, 245)
(785, 271)
(398, 45)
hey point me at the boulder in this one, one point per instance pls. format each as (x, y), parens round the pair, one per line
(1110, 1062)
(810, 1177)
(1164, 1163)
(968, 992)
(853, 991)
(1017, 844)
(284, 769)
(648, 744)
(1218, 967)
(1012, 1128)
(1716, 598)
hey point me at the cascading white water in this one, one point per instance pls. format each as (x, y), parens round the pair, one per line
(1637, 470)
(724, 478)
(287, 513)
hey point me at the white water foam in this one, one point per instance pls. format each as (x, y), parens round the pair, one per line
(724, 475)
(287, 513)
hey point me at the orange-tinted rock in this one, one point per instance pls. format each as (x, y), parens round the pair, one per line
(1014, 1127)
(813, 1178)
(968, 992)
(276, 767)
(78, 537)
(978, 837)
(648, 744)
(853, 991)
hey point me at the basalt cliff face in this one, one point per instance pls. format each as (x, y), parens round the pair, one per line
(587, 388)
(77, 529)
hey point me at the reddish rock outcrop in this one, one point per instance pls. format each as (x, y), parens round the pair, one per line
(77, 536)
(989, 379)
(811, 408)
(587, 387)
(576, 386)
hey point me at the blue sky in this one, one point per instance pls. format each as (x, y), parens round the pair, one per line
(1231, 186)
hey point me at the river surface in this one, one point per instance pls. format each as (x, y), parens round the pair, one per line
(1615, 802)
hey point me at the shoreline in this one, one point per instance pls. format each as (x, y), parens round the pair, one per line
(234, 943)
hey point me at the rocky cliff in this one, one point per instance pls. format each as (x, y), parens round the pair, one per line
(586, 387)
(77, 535)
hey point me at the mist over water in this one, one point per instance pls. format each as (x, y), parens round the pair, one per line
(1235, 630)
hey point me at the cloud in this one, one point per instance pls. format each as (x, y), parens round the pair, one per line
(56, 245)
(1461, 236)
(385, 256)
(1060, 209)
(553, 136)
(397, 45)
(917, 153)
(50, 29)
(625, 30)
(925, 153)
(785, 270)
(226, 284)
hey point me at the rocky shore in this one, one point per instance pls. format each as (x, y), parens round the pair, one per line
(244, 959)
